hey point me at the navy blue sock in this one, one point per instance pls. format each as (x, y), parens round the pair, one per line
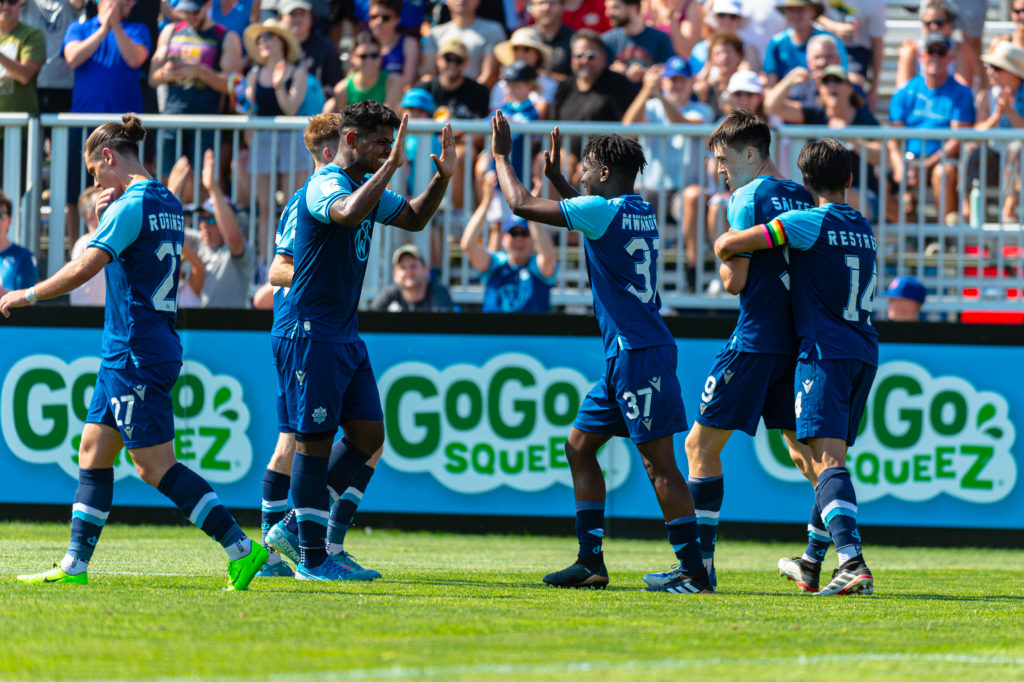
(707, 503)
(309, 493)
(818, 537)
(682, 535)
(275, 500)
(344, 510)
(89, 513)
(346, 459)
(589, 528)
(196, 500)
(838, 503)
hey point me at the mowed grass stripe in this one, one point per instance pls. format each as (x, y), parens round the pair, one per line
(472, 607)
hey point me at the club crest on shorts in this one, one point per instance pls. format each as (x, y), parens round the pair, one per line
(320, 414)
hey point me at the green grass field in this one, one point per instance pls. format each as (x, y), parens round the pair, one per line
(466, 607)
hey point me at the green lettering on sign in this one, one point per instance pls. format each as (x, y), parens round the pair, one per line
(56, 413)
(467, 388)
(527, 408)
(959, 420)
(220, 437)
(912, 417)
(982, 454)
(429, 421)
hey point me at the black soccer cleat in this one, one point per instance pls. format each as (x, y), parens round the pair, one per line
(853, 577)
(593, 576)
(806, 574)
(678, 582)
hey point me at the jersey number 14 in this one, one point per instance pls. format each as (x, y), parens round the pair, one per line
(867, 300)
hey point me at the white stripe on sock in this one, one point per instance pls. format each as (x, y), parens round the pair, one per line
(91, 511)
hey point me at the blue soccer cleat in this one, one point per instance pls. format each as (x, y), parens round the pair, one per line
(328, 571)
(352, 569)
(283, 542)
(678, 582)
(659, 579)
(276, 570)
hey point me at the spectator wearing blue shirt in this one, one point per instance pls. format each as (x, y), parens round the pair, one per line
(517, 279)
(632, 45)
(933, 100)
(788, 49)
(18, 267)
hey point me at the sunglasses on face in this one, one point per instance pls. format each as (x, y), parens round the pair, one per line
(588, 54)
(367, 55)
(259, 39)
(10, 3)
(937, 52)
(935, 23)
(453, 59)
(1017, 11)
(725, 15)
(518, 233)
(381, 17)
(832, 80)
(208, 218)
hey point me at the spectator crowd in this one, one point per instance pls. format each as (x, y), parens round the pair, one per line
(672, 62)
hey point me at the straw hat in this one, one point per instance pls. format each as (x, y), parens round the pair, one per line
(819, 7)
(523, 37)
(292, 50)
(1008, 57)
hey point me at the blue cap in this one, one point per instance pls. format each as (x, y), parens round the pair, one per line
(677, 66)
(513, 222)
(906, 287)
(418, 98)
(519, 71)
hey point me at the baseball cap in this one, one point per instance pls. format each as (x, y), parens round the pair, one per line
(745, 81)
(454, 46)
(513, 222)
(208, 206)
(407, 250)
(837, 71)
(677, 66)
(189, 5)
(936, 38)
(418, 98)
(519, 71)
(906, 287)
(289, 6)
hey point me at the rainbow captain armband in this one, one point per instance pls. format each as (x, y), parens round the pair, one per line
(775, 233)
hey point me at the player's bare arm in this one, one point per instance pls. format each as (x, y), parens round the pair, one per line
(751, 239)
(519, 199)
(71, 276)
(352, 209)
(553, 167)
(421, 209)
(281, 270)
(734, 274)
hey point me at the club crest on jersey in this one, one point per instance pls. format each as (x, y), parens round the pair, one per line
(363, 241)
(319, 415)
(140, 390)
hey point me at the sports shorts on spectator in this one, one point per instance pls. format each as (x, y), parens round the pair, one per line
(325, 384)
(830, 397)
(743, 387)
(637, 396)
(136, 401)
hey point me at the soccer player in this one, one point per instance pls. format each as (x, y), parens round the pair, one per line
(278, 524)
(139, 242)
(832, 280)
(638, 395)
(328, 380)
(752, 376)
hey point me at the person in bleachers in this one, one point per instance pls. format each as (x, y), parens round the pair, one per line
(479, 36)
(553, 32)
(414, 289)
(525, 45)
(367, 80)
(860, 25)
(633, 45)
(904, 298)
(969, 17)
(1017, 17)
(726, 18)
(580, 14)
(725, 58)
(681, 20)
(797, 97)
(664, 98)
(194, 58)
(52, 18)
(400, 52)
(936, 17)
(234, 15)
(933, 100)
(763, 22)
(411, 15)
(1000, 107)
(18, 266)
(319, 53)
(22, 55)
(93, 292)
(787, 50)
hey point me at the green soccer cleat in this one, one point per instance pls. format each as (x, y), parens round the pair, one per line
(242, 571)
(54, 575)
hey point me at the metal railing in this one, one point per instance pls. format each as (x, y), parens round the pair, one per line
(979, 256)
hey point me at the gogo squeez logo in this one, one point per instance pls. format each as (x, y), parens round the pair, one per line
(920, 436)
(477, 428)
(44, 403)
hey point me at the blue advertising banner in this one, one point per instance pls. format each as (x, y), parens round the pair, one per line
(476, 425)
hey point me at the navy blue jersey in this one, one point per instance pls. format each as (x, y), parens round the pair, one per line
(143, 231)
(284, 243)
(330, 260)
(833, 279)
(622, 264)
(765, 324)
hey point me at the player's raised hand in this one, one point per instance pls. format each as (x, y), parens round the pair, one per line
(105, 198)
(501, 135)
(449, 158)
(553, 156)
(209, 175)
(397, 156)
(490, 182)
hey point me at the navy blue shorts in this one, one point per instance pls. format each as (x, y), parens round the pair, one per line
(137, 402)
(743, 387)
(324, 385)
(830, 397)
(637, 396)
